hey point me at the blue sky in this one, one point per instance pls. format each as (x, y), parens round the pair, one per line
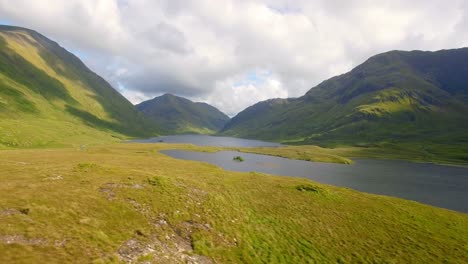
(4, 22)
(253, 78)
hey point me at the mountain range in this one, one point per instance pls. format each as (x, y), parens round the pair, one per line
(397, 96)
(177, 115)
(48, 97)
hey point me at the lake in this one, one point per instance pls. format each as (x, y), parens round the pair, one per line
(438, 185)
(205, 140)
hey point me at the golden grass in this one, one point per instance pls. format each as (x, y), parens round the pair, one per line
(67, 205)
(26, 46)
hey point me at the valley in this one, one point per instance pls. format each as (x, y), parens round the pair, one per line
(88, 177)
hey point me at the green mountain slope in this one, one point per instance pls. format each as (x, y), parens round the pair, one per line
(48, 96)
(176, 115)
(393, 97)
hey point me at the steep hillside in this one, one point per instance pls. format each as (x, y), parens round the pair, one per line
(176, 115)
(48, 96)
(393, 97)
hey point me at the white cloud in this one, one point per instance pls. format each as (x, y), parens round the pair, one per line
(207, 50)
(231, 96)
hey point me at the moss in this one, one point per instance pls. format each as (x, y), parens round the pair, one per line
(308, 188)
(238, 158)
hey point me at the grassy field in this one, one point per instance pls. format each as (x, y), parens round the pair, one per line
(417, 152)
(450, 154)
(128, 202)
(306, 152)
(430, 152)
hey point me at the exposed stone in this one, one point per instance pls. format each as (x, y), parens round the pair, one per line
(21, 240)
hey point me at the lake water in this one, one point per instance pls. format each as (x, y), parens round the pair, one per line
(442, 186)
(205, 140)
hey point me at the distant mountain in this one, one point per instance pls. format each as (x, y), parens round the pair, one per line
(396, 96)
(48, 96)
(177, 115)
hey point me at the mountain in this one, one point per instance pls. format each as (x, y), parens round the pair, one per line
(397, 96)
(177, 115)
(48, 96)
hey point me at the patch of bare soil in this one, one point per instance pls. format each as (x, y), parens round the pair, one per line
(21, 240)
(109, 189)
(14, 211)
(170, 249)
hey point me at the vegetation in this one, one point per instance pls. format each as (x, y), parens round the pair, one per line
(308, 153)
(418, 152)
(125, 202)
(177, 115)
(432, 153)
(238, 158)
(75, 199)
(48, 97)
(392, 100)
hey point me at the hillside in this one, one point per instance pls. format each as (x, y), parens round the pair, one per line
(394, 97)
(177, 115)
(49, 97)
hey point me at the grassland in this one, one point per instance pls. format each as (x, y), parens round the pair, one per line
(417, 152)
(128, 202)
(449, 154)
(306, 152)
(48, 97)
(61, 202)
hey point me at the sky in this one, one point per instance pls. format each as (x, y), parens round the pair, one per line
(234, 53)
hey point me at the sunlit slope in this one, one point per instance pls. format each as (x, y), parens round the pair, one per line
(393, 97)
(48, 96)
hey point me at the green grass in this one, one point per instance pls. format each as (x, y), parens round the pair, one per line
(178, 115)
(35, 132)
(305, 152)
(73, 199)
(238, 158)
(450, 154)
(67, 205)
(393, 102)
(417, 152)
(47, 94)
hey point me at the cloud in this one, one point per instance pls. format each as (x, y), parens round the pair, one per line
(219, 51)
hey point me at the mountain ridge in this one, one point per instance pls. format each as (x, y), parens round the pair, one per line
(395, 96)
(179, 115)
(46, 89)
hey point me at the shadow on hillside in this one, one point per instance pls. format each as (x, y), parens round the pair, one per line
(92, 120)
(23, 72)
(16, 98)
(127, 119)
